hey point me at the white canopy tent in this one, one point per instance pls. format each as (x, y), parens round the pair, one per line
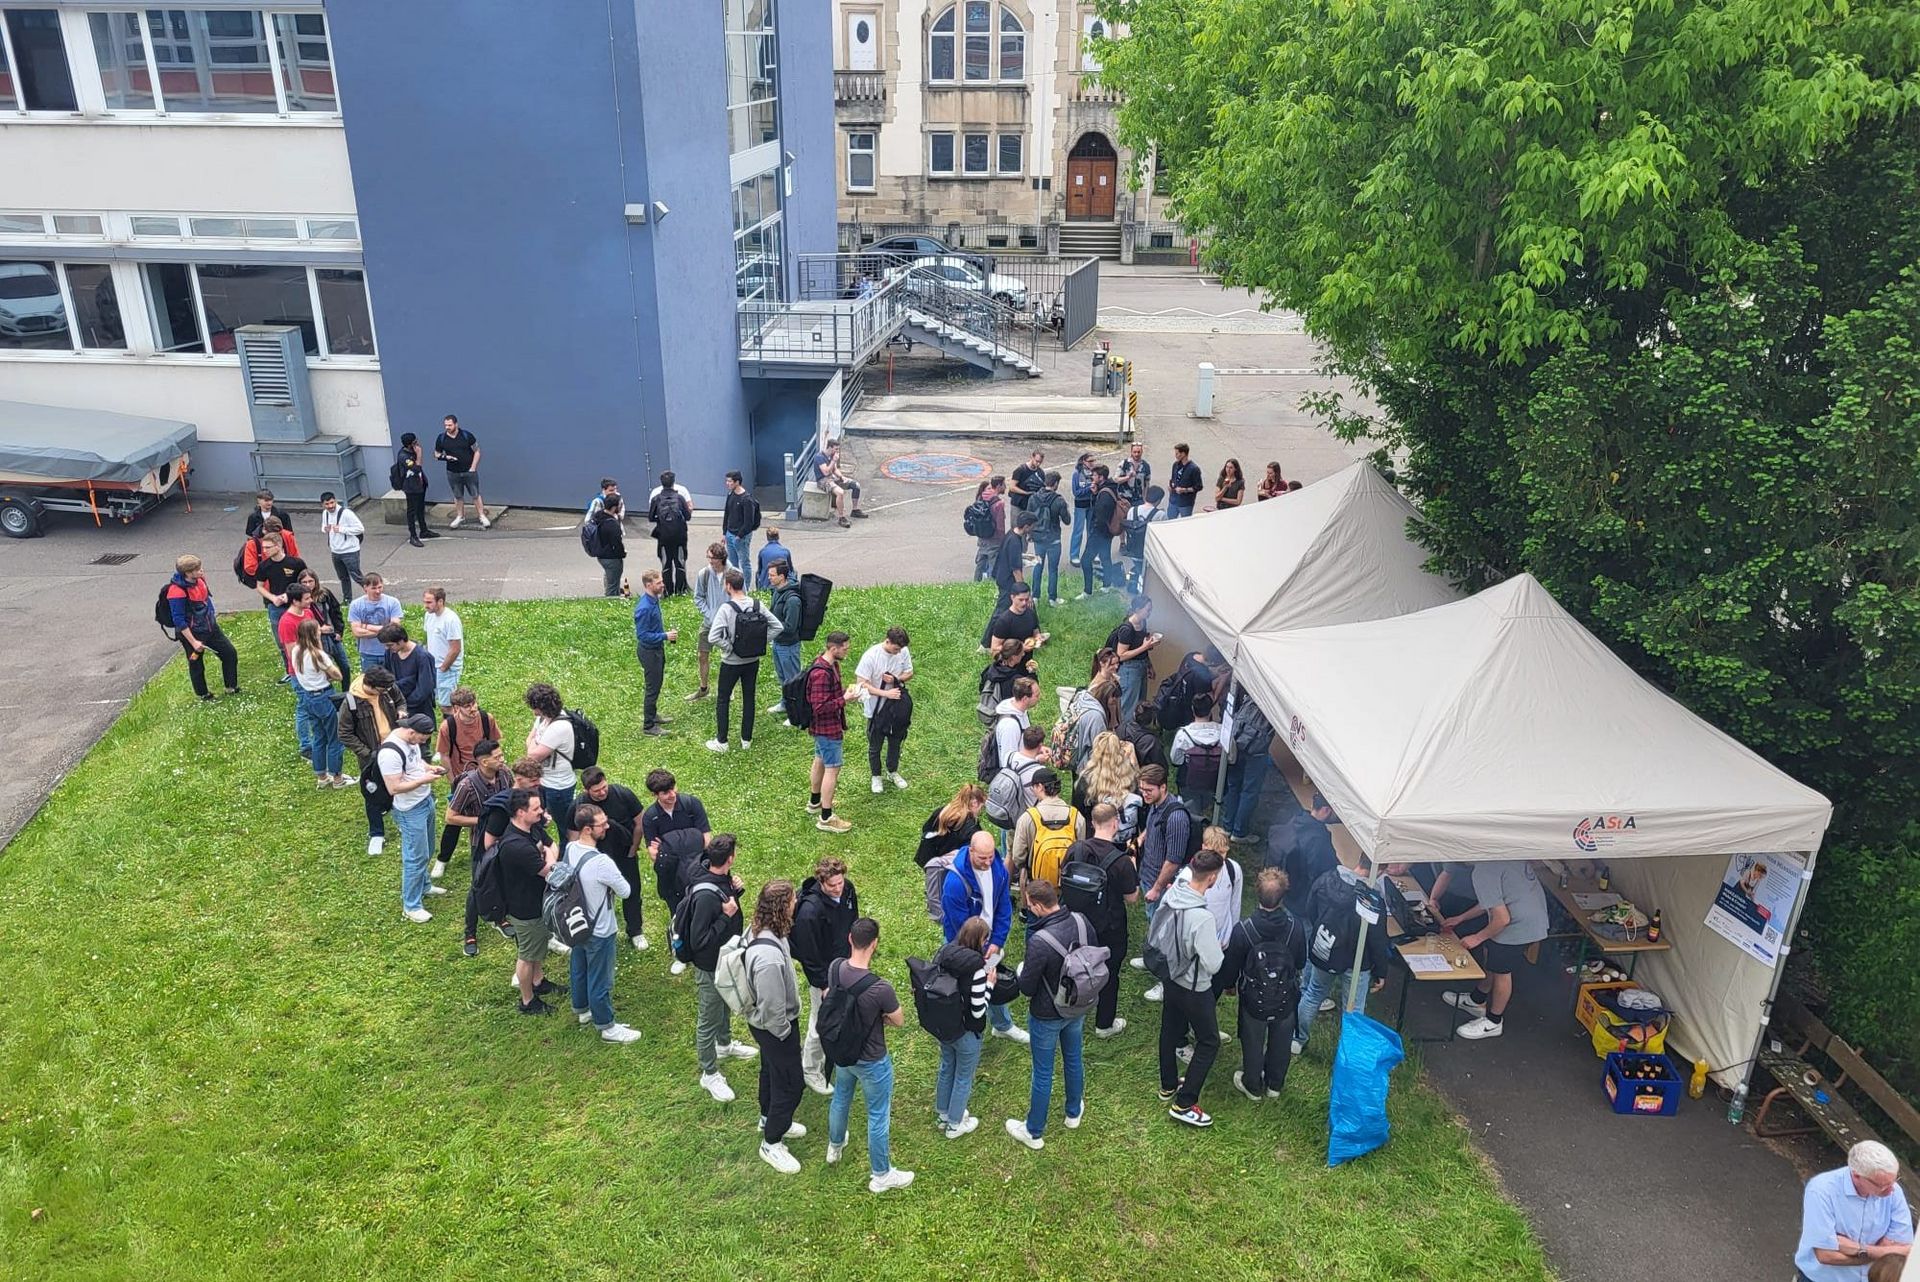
(1335, 551)
(1496, 727)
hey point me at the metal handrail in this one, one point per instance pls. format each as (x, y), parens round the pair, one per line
(1006, 327)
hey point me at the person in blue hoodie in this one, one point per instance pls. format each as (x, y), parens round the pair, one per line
(978, 886)
(190, 601)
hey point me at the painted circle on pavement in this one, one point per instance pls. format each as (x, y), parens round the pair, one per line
(936, 469)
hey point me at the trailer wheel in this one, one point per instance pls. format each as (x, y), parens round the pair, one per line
(20, 519)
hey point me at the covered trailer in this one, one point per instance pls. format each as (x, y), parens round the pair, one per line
(60, 459)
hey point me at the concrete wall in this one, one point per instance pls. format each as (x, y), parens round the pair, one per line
(273, 167)
(492, 157)
(806, 123)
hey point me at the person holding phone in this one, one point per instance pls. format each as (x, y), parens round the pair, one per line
(1133, 645)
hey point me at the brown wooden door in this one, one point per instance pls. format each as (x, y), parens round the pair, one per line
(1104, 175)
(1080, 188)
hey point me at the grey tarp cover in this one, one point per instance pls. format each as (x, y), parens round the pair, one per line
(59, 443)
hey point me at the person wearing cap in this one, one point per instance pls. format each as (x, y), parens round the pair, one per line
(1302, 847)
(412, 789)
(1855, 1223)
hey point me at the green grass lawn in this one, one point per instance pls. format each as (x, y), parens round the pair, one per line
(226, 1054)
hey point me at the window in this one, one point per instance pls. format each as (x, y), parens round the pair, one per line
(1096, 31)
(232, 295)
(940, 153)
(215, 61)
(194, 308)
(759, 262)
(49, 306)
(976, 153)
(243, 228)
(752, 72)
(1011, 146)
(979, 39)
(1013, 47)
(940, 48)
(860, 162)
(35, 54)
(172, 309)
(343, 309)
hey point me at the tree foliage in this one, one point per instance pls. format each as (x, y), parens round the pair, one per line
(1632, 290)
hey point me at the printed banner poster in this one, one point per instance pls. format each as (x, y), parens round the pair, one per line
(1755, 900)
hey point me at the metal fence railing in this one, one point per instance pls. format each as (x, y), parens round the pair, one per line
(985, 238)
(992, 308)
(1079, 302)
(1060, 296)
(833, 330)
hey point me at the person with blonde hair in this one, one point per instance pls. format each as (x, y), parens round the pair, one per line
(774, 1022)
(952, 826)
(314, 673)
(196, 624)
(1109, 776)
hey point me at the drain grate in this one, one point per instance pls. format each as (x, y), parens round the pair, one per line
(113, 558)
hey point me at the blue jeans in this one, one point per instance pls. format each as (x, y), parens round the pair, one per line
(338, 650)
(740, 553)
(959, 1060)
(1000, 1017)
(1049, 567)
(1133, 686)
(786, 662)
(559, 804)
(876, 1080)
(1177, 508)
(444, 682)
(1049, 1034)
(590, 972)
(320, 729)
(1321, 983)
(416, 851)
(1077, 534)
(274, 614)
(1245, 779)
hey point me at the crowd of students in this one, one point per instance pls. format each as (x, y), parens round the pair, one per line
(1069, 823)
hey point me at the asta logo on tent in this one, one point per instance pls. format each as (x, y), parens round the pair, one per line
(1601, 830)
(1296, 732)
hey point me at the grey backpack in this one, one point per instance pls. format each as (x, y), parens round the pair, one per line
(937, 869)
(1083, 970)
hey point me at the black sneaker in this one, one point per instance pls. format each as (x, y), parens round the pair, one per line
(547, 987)
(472, 947)
(1190, 1116)
(535, 1007)
(429, 534)
(505, 929)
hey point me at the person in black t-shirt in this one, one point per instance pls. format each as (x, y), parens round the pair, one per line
(622, 809)
(671, 811)
(525, 856)
(276, 574)
(460, 451)
(1028, 479)
(1017, 622)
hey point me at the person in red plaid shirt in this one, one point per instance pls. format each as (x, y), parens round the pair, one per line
(828, 696)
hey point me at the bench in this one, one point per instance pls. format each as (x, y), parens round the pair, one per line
(815, 503)
(1808, 1040)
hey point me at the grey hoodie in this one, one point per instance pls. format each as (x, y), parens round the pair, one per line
(776, 995)
(1089, 723)
(1199, 943)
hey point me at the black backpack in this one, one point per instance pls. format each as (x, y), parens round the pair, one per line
(938, 1000)
(489, 901)
(373, 780)
(793, 696)
(977, 520)
(1336, 931)
(1269, 982)
(814, 592)
(1083, 886)
(1173, 705)
(669, 516)
(397, 474)
(1195, 829)
(586, 742)
(590, 538)
(240, 562)
(750, 632)
(989, 763)
(163, 612)
(843, 1033)
(1201, 770)
(753, 513)
(683, 918)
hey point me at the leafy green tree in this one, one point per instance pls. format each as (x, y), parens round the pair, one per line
(1629, 296)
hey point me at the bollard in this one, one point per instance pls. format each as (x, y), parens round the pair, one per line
(1203, 395)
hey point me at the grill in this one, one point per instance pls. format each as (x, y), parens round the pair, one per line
(113, 558)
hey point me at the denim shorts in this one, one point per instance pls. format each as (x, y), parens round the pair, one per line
(465, 485)
(830, 751)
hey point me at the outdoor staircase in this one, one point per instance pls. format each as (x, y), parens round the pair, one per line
(1090, 240)
(997, 359)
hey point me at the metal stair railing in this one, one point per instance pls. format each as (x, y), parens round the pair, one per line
(1006, 329)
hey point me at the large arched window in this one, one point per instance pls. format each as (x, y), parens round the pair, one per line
(961, 45)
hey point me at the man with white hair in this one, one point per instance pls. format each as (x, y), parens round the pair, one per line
(1855, 1225)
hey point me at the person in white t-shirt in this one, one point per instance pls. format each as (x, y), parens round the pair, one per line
(551, 743)
(409, 778)
(890, 658)
(446, 642)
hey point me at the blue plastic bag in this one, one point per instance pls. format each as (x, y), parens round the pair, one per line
(1363, 1062)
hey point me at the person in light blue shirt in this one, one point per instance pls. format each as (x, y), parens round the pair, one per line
(368, 615)
(1855, 1225)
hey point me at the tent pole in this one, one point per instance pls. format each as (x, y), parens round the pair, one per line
(1779, 969)
(1360, 950)
(1226, 745)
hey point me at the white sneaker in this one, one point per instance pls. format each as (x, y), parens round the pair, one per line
(893, 1179)
(485, 524)
(966, 1126)
(1138, 963)
(1327, 1004)
(1465, 1002)
(1017, 1128)
(1080, 596)
(819, 1085)
(1184, 1054)
(745, 744)
(1299, 1048)
(1119, 1027)
(795, 1131)
(1240, 1084)
(877, 785)
(776, 1156)
(777, 707)
(376, 844)
(714, 745)
(419, 916)
(736, 1050)
(1225, 1037)
(639, 942)
(454, 524)
(899, 782)
(584, 1016)
(678, 968)
(1014, 1034)
(1073, 1120)
(434, 890)
(620, 1034)
(1479, 1028)
(1155, 993)
(438, 870)
(717, 1087)
(559, 949)
(833, 1153)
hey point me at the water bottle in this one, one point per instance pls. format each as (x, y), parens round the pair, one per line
(1737, 1106)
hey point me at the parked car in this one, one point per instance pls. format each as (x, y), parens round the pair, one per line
(30, 305)
(961, 274)
(898, 251)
